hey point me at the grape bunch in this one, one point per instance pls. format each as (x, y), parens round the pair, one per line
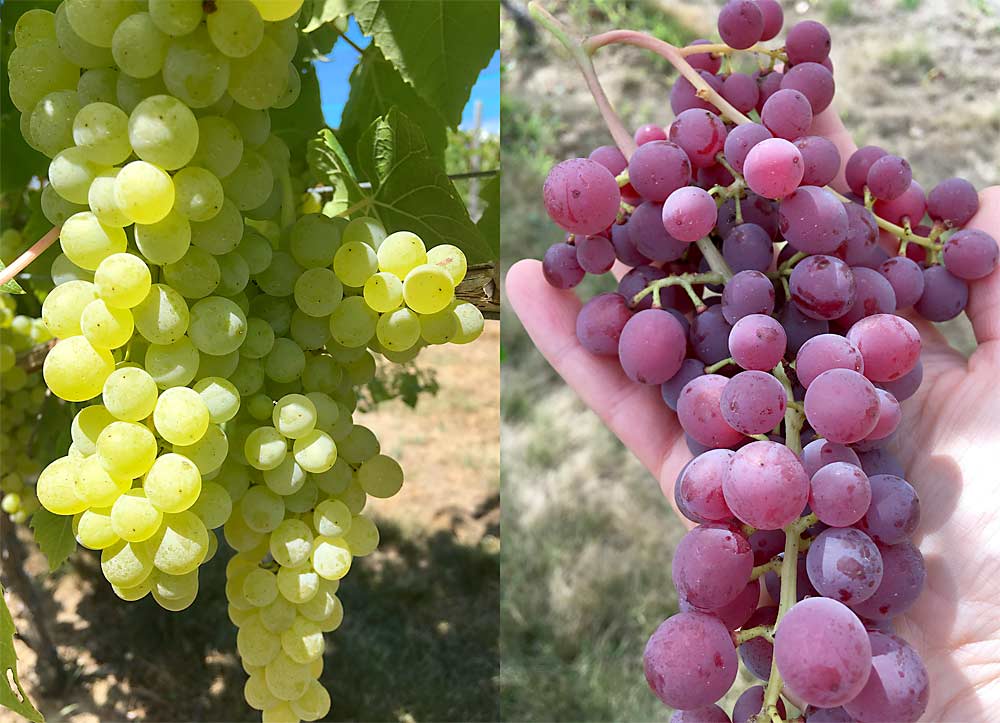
(766, 306)
(213, 338)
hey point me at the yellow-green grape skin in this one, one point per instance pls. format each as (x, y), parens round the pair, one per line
(174, 592)
(303, 641)
(71, 173)
(298, 584)
(359, 445)
(163, 131)
(398, 330)
(259, 79)
(180, 416)
(428, 289)
(56, 485)
(36, 70)
(401, 252)
(353, 322)
(208, 453)
(132, 91)
(213, 547)
(332, 518)
(259, 340)
(130, 394)
(364, 230)
(96, 20)
(291, 543)
(362, 538)
(218, 326)
(383, 292)
(223, 232)
(254, 124)
(256, 693)
(285, 479)
(136, 592)
(57, 209)
(87, 242)
(276, 10)
(173, 483)
(96, 486)
(195, 275)
(220, 146)
(439, 327)
(122, 280)
(262, 510)
(354, 263)
(294, 416)
(175, 17)
(98, 85)
(221, 398)
(75, 48)
(162, 317)
(87, 426)
(292, 90)
(126, 449)
(238, 534)
(324, 607)
(51, 121)
(126, 565)
(180, 544)
(314, 240)
(101, 199)
(217, 366)
(172, 365)
(105, 326)
(318, 292)
(287, 680)
(380, 476)
(134, 518)
(62, 307)
(34, 26)
(314, 703)
(279, 615)
(235, 27)
(75, 370)
(195, 71)
(213, 506)
(256, 644)
(234, 275)
(139, 46)
(285, 362)
(331, 557)
(199, 195)
(260, 587)
(144, 192)
(11, 503)
(315, 452)
(101, 131)
(470, 323)
(451, 259)
(165, 241)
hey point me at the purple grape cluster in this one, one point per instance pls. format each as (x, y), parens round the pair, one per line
(766, 307)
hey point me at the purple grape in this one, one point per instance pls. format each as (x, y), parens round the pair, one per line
(944, 297)
(819, 453)
(787, 114)
(825, 352)
(769, 83)
(753, 402)
(799, 328)
(699, 413)
(773, 16)
(733, 614)
(714, 176)
(766, 544)
(862, 237)
(708, 714)
(773, 168)
(684, 96)
(651, 347)
(877, 257)
(700, 133)
(690, 660)
(820, 159)
(803, 588)
(971, 254)
(711, 566)
(600, 322)
(658, 168)
(757, 342)
(906, 386)
(756, 210)
(679, 501)
(670, 390)
(856, 170)
(889, 416)
(609, 157)
(750, 703)
(709, 335)
(748, 292)
(748, 248)
(595, 254)
(842, 406)
(844, 564)
(765, 485)
(807, 42)
(822, 287)
(906, 279)
(889, 344)
(560, 266)
(756, 653)
(704, 61)
(741, 140)
(638, 279)
(581, 196)
(701, 485)
(828, 715)
(894, 513)
(902, 580)
(874, 295)
(813, 220)
(649, 133)
(953, 201)
(840, 492)
(741, 91)
(898, 685)
(822, 651)
(880, 461)
(911, 205)
(814, 82)
(625, 248)
(645, 228)
(889, 177)
(741, 23)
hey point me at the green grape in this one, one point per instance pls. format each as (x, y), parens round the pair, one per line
(303, 641)
(398, 330)
(134, 518)
(71, 173)
(220, 145)
(101, 199)
(38, 69)
(235, 27)
(293, 88)
(218, 325)
(260, 587)
(174, 592)
(298, 584)
(51, 122)
(265, 448)
(451, 259)
(327, 411)
(75, 370)
(57, 209)
(259, 406)
(364, 230)
(123, 281)
(332, 518)
(255, 250)
(214, 506)
(251, 183)
(163, 131)
(136, 592)
(362, 538)
(33, 26)
(240, 537)
(180, 544)
(320, 372)
(343, 426)
(56, 488)
(248, 376)
(440, 327)
(173, 483)
(126, 449)
(87, 242)
(318, 291)
(94, 530)
(354, 497)
(353, 323)
(217, 366)
(401, 252)
(209, 452)
(257, 645)
(331, 557)
(195, 275)
(470, 323)
(24, 124)
(383, 292)
(98, 85)
(221, 398)
(428, 289)
(359, 445)
(262, 509)
(75, 48)
(131, 91)
(105, 326)
(194, 70)
(310, 332)
(279, 615)
(62, 307)
(221, 233)
(355, 262)
(144, 192)
(314, 240)
(95, 20)
(287, 681)
(380, 476)
(130, 394)
(285, 35)
(280, 276)
(285, 361)
(180, 416)
(87, 426)
(164, 242)
(139, 46)
(294, 416)
(270, 208)
(277, 154)
(176, 17)
(291, 543)
(126, 565)
(234, 275)
(315, 451)
(258, 80)
(199, 193)
(172, 365)
(163, 316)
(259, 341)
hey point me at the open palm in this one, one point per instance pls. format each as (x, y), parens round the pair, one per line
(949, 443)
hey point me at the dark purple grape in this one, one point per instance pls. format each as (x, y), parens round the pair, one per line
(902, 580)
(787, 114)
(701, 134)
(889, 177)
(769, 84)
(856, 170)
(684, 96)
(671, 389)
(749, 704)
(911, 205)
(740, 140)
(748, 292)
(880, 461)
(953, 201)
(828, 715)
(679, 501)
(581, 196)
(710, 335)
(741, 91)
(906, 386)
(649, 133)
(971, 254)
(799, 328)
(906, 279)
(741, 23)
(844, 564)
(756, 653)
(766, 544)
(820, 159)
(822, 287)
(803, 588)
(560, 267)
(756, 210)
(894, 512)
(609, 157)
(898, 686)
(704, 61)
(638, 279)
(645, 228)
(714, 176)
(600, 322)
(873, 295)
(625, 248)
(651, 347)
(813, 220)
(944, 297)
(773, 16)
(657, 169)
(807, 42)
(748, 248)
(862, 237)
(814, 82)
(595, 254)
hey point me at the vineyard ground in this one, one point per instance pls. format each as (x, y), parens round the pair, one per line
(419, 639)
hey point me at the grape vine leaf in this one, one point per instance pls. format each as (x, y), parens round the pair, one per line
(54, 535)
(11, 287)
(328, 161)
(376, 86)
(411, 189)
(321, 12)
(12, 695)
(489, 222)
(438, 46)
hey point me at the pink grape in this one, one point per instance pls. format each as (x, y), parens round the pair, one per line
(814, 82)
(701, 485)
(581, 196)
(812, 220)
(754, 209)
(595, 254)
(748, 292)
(638, 279)
(798, 327)
(820, 160)
(651, 347)
(839, 492)
(753, 402)
(757, 342)
(658, 168)
(773, 16)
(749, 705)
(689, 214)
(709, 335)
(699, 413)
(741, 140)
(773, 168)
(711, 566)
(704, 61)
(645, 227)
(944, 296)
(769, 83)
(684, 96)
(844, 564)
(862, 237)
(700, 133)
(741, 23)
(822, 651)
(713, 176)
(741, 91)
(560, 266)
(822, 287)
(803, 588)
(907, 385)
(873, 295)
(787, 114)
(911, 205)
(748, 248)
(708, 714)
(765, 485)
(898, 687)
(953, 201)
(807, 42)
(971, 254)
(609, 157)
(625, 246)
(889, 416)
(894, 512)
(906, 279)
(670, 390)
(856, 170)
(600, 322)
(903, 578)
(757, 653)
(889, 344)
(889, 177)
(732, 614)
(825, 352)
(648, 133)
(820, 452)
(842, 406)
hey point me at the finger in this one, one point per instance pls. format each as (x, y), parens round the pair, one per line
(984, 295)
(634, 412)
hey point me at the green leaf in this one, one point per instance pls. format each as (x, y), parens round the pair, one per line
(13, 696)
(438, 46)
(412, 191)
(297, 124)
(54, 535)
(489, 222)
(329, 162)
(321, 12)
(376, 87)
(11, 287)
